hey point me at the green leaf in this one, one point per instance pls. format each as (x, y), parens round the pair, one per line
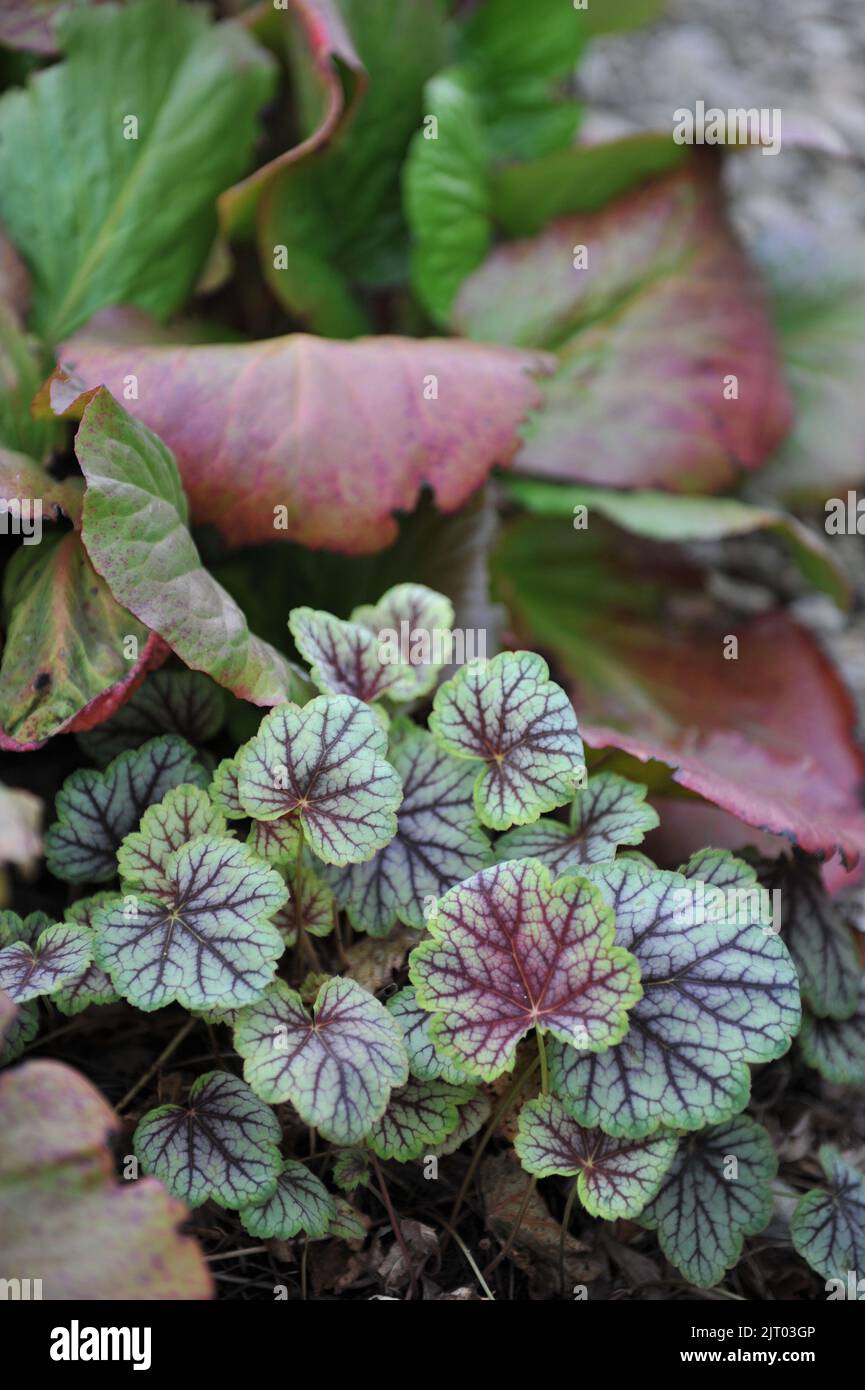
(224, 792)
(169, 702)
(438, 840)
(615, 1177)
(609, 812)
(224, 1146)
(27, 929)
(836, 1047)
(300, 1202)
(351, 1169)
(510, 951)
(182, 815)
(61, 953)
(817, 936)
(194, 91)
(97, 810)
(275, 841)
(205, 939)
(19, 1029)
(717, 1192)
(347, 1224)
(418, 1115)
(508, 714)
(719, 991)
(446, 194)
(828, 1225)
(417, 621)
(319, 911)
(325, 766)
(337, 1068)
(135, 530)
(427, 1063)
(513, 41)
(472, 1116)
(92, 985)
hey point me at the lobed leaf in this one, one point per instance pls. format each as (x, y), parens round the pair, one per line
(92, 985)
(169, 702)
(426, 1062)
(183, 814)
(471, 1117)
(419, 1114)
(817, 936)
(835, 1047)
(609, 812)
(299, 1202)
(351, 1169)
(60, 954)
(828, 1224)
(319, 910)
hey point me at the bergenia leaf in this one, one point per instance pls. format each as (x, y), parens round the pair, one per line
(325, 766)
(418, 1115)
(183, 814)
(223, 1145)
(319, 909)
(817, 936)
(420, 619)
(97, 810)
(472, 1116)
(835, 1047)
(92, 985)
(828, 1225)
(615, 1177)
(510, 951)
(508, 714)
(299, 1202)
(719, 991)
(717, 1192)
(427, 1063)
(438, 840)
(337, 1068)
(609, 812)
(351, 1169)
(61, 953)
(206, 939)
(169, 702)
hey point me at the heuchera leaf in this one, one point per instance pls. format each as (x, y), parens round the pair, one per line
(183, 814)
(828, 1225)
(224, 1145)
(292, 404)
(205, 939)
(427, 1063)
(337, 1068)
(348, 1224)
(92, 985)
(719, 991)
(817, 936)
(836, 1047)
(511, 951)
(471, 1117)
(17, 1030)
(169, 702)
(299, 1202)
(97, 810)
(319, 911)
(27, 929)
(615, 1177)
(438, 840)
(609, 812)
(351, 1169)
(195, 91)
(510, 716)
(223, 789)
(60, 1208)
(418, 1115)
(717, 1192)
(61, 953)
(638, 397)
(325, 766)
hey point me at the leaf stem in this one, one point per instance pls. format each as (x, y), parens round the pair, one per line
(542, 1057)
(299, 944)
(163, 1057)
(566, 1226)
(395, 1226)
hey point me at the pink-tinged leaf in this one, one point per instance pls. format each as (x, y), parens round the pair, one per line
(652, 680)
(337, 1068)
(615, 1177)
(64, 1219)
(319, 910)
(509, 716)
(511, 951)
(324, 766)
(339, 434)
(61, 953)
(609, 812)
(665, 308)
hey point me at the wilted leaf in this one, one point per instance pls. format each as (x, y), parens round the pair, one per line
(717, 1192)
(337, 1069)
(836, 1047)
(427, 1063)
(609, 812)
(323, 765)
(828, 1225)
(205, 938)
(183, 814)
(300, 1202)
(719, 991)
(194, 90)
(374, 960)
(418, 1115)
(91, 985)
(224, 1145)
(61, 1213)
(97, 810)
(438, 840)
(509, 715)
(615, 1177)
(61, 953)
(511, 951)
(169, 702)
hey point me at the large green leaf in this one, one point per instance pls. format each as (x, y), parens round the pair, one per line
(337, 1068)
(828, 1225)
(509, 951)
(139, 227)
(609, 812)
